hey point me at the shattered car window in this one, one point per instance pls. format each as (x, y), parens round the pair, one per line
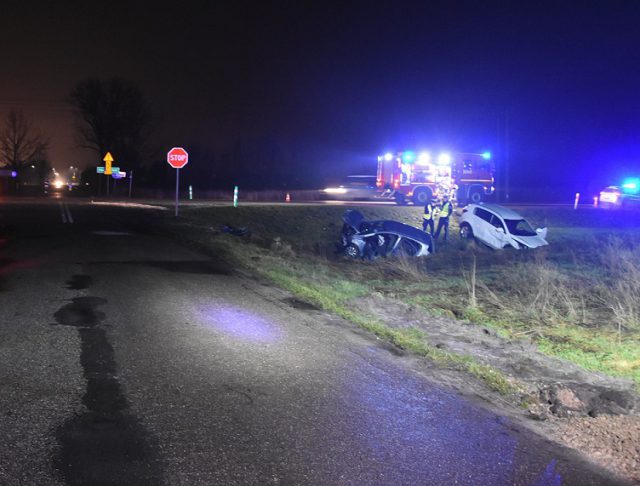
(520, 227)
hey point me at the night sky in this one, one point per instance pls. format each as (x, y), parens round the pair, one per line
(557, 84)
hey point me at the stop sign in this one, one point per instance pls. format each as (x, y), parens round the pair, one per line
(177, 157)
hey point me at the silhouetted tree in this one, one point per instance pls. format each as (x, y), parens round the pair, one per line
(20, 144)
(113, 116)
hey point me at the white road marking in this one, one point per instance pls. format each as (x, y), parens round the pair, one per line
(62, 212)
(65, 213)
(68, 213)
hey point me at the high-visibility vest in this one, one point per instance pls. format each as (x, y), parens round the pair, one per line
(447, 209)
(428, 212)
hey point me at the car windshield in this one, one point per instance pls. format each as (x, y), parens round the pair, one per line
(519, 227)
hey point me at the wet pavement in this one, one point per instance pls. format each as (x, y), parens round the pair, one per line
(127, 359)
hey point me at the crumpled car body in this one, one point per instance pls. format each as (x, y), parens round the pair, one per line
(369, 239)
(499, 227)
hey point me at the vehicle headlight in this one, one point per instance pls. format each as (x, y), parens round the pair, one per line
(335, 190)
(58, 184)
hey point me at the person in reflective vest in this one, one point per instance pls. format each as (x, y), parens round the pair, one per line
(443, 221)
(429, 213)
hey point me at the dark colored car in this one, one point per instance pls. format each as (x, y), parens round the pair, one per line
(368, 239)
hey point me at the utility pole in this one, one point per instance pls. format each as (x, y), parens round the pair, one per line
(506, 156)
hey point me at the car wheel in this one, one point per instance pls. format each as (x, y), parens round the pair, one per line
(475, 196)
(421, 196)
(466, 233)
(351, 251)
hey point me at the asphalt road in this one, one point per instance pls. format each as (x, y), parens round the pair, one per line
(127, 359)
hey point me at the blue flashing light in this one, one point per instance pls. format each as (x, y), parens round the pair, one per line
(408, 157)
(14, 174)
(388, 156)
(486, 155)
(631, 185)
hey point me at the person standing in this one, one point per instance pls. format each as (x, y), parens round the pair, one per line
(443, 221)
(429, 215)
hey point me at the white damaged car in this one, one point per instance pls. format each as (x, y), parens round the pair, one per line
(498, 227)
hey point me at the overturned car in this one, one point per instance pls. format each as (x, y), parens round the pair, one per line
(369, 239)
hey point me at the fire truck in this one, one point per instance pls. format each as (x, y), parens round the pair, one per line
(418, 177)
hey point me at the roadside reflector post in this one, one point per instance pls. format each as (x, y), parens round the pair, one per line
(576, 200)
(130, 182)
(595, 201)
(287, 198)
(235, 197)
(190, 192)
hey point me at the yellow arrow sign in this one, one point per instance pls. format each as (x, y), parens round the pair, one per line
(107, 163)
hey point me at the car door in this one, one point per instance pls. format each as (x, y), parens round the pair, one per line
(486, 231)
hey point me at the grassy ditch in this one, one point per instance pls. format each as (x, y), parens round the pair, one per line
(578, 299)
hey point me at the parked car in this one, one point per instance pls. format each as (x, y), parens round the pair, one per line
(355, 187)
(498, 227)
(614, 197)
(368, 239)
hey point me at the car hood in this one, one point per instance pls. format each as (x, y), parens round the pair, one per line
(353, 218)
(530, 241)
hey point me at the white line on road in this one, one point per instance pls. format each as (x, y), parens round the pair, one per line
(68, 213)
(65, 213)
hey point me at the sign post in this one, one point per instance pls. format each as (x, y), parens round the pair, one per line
(108, 159)
(177, 158)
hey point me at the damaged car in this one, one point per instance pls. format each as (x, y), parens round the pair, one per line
(369, 239)
(499, 227)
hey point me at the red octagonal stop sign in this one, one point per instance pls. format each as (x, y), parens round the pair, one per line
(177, 157)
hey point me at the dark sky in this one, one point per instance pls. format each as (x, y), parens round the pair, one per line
(341, 82)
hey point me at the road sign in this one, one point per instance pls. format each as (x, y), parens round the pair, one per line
(100, 170)
(119, 175)
(115, 170)
(177, 157)
(108, 158)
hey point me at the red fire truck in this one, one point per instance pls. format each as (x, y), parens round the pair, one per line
(418, 177)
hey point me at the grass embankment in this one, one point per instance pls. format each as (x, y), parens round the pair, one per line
(578, 299)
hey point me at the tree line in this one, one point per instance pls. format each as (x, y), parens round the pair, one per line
(114, 116)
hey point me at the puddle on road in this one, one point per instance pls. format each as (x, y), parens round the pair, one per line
(81, 312)
(79, 282)
(105, 444)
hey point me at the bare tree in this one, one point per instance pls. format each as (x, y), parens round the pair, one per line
(20, 144)
(113, 116)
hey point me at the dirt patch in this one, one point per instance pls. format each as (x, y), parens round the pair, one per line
(612, 441)
(588, 411)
